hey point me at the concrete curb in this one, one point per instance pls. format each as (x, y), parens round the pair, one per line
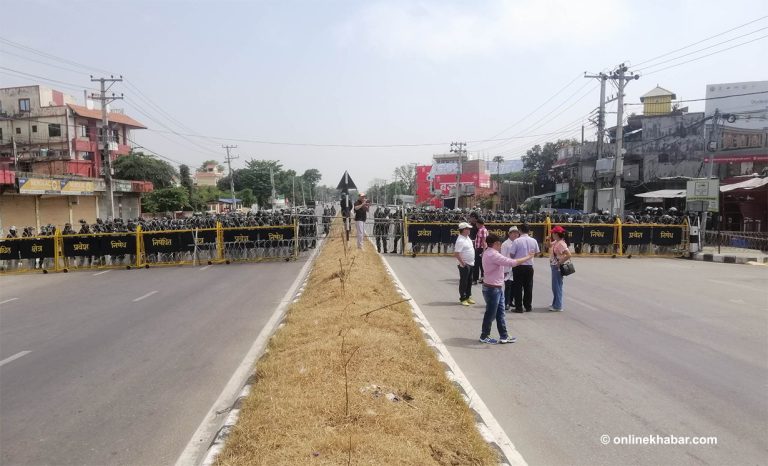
(487, 424)
(726, 258)
(244, 376)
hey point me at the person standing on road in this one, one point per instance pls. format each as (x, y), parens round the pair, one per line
(493, 290)
(482, 233)
(559, 253)
(464, 252)
(361, 215)
(346, 209)
(523, 275)
(506, 251)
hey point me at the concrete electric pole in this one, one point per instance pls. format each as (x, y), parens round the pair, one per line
(621, 78)
(458, 148)
(229, 160)
(105, 139)
(600, 131)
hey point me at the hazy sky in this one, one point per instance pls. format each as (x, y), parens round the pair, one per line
(373, 72)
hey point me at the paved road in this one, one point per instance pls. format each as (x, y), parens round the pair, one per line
(645, 347)
(123, 366)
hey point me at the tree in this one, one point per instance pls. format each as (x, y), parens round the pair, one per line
(185, 178)
(246, 197)
(202, 195)
(166, 200)
(311, 177)
(538, 161)
(142, 167)
(204, 166)
(406, 174)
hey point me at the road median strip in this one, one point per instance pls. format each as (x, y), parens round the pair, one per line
(349, 379)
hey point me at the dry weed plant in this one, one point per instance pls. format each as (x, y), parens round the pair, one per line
(312, 402)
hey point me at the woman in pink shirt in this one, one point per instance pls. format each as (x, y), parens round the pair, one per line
(558, 255)
(493, 290)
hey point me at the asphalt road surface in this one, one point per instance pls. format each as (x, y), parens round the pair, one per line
(121, 367)
(645, 347)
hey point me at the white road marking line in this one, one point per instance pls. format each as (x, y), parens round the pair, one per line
(102, 272)
(204, 268)
(14, 357)
(8, 300)
(145, 296)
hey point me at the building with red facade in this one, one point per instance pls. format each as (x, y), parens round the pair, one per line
(436, 183)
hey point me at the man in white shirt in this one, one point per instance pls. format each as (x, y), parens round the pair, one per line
(464, 252)
(506, 251)
(523, 274)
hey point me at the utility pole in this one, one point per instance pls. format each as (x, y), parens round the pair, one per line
(106, 161)
(15, 154)
(272, 181)
(617, 206)
(600, 131)
(713, 146)
(229, 160)
(458, 148)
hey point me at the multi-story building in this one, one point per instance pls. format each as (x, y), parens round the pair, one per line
(666, 145)
(436, 183)
(209, 175)
(44, 131)
(51, 158)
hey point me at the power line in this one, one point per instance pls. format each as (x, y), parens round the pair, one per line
(51, 56)
(355, 146)
(43, 78)
(702, 49)
(700, 41)
(711, 98)
(42, 62)
(536, 109)
(707, 55)
(136, 144)
(534, 126)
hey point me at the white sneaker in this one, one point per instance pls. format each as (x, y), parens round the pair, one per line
(555, 310)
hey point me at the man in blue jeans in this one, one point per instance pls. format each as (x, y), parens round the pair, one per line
(493, 290)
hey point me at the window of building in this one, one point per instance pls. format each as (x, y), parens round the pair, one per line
(54, 131)
(1, 134)
(18, 130)
(23, 105)
(34, 128)
(115, 136)
(85, 131)
(663, 158)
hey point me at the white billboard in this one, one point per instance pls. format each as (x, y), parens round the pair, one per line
(747, 102)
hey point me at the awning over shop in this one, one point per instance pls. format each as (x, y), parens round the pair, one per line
(752, 183)
(738, 158)
(664, 193)
(541, 196)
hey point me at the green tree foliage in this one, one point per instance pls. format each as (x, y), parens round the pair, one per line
(142, 167)
(538, 161)
(246, 197)
(311, 177)
(185, 178)
(201, 195)
(204, 166)
(166, 200)
(406, 176)
(256, 177)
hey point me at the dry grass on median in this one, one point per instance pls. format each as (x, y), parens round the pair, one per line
(304, 410)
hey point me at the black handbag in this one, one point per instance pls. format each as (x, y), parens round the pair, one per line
(567, 268)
